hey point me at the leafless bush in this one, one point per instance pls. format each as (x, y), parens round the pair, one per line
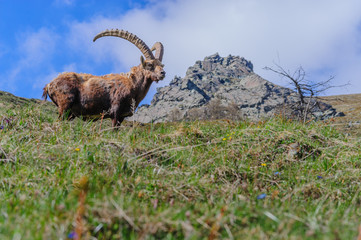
(212, 111)
(175, 115)
(307, 93)
(215, 109)
(234, 112)
(195, 114)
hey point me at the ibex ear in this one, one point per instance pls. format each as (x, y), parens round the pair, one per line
(142, 61)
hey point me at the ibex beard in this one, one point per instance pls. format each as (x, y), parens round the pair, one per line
(112, 96)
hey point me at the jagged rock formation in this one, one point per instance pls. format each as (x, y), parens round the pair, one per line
(228, 82)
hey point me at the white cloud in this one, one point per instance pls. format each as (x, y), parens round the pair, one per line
(318, 35)
(41, 80)
(45, 77)
(36, 47)
(35, 50)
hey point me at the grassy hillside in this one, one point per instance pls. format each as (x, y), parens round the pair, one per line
(276, 179)
(351, 106)
(8, 101)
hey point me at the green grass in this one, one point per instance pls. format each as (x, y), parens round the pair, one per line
(192, 180)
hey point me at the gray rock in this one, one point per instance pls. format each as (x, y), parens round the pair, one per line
(230, 80)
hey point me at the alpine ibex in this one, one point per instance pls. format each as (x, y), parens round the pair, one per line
(110, 96)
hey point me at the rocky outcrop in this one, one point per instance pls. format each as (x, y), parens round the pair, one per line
(231, 81)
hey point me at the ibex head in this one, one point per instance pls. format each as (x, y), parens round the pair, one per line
(151, 63)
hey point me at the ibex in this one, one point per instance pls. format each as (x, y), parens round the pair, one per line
(110, 96)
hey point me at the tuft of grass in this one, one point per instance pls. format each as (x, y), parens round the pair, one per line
(274, 179)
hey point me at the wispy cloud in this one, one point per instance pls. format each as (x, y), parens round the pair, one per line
(64, 2)
(35, 50)
(45, 77)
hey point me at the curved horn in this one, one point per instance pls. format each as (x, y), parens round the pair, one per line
(159, 50)
(130, 37)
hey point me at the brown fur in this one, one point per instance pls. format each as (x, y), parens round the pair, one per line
(110, 96)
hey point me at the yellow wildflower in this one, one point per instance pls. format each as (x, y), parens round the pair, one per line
(263, 164)
(77, 149)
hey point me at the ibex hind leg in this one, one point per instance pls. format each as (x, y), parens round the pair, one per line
(65, 110)
(120, 117)
(117, 121)
(68, 115)
(118, 113)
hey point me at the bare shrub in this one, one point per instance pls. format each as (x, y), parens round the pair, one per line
(175, 115)
(307, 93)
(195, 114)
(234, 112)
(212, 111)
(215, 109)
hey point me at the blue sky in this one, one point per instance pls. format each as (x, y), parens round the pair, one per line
(40, 39)
(33, 48)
